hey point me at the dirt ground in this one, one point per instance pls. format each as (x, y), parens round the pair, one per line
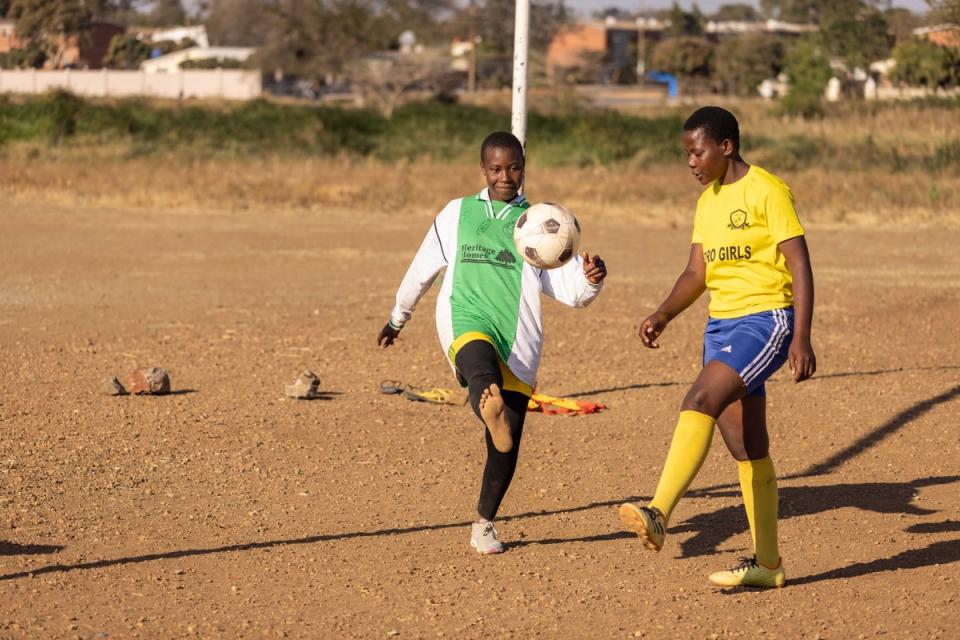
(224, 510)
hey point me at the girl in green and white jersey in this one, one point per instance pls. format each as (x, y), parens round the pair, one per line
(488, 311)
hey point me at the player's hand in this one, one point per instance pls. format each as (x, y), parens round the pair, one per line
(387, 335)
(651, 328)
(593, 268)
(803, 362)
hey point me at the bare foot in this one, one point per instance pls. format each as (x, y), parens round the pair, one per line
(495, 417)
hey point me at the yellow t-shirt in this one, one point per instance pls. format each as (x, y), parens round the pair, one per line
(740, 226)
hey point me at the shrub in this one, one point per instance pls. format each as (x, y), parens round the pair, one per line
(808, 68)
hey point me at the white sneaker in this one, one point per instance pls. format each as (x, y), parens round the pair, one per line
(483, 538)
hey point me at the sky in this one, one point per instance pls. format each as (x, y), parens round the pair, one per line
(586, 7)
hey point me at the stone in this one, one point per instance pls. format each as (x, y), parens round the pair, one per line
(305, 387)
(149, 381)
(112, 387)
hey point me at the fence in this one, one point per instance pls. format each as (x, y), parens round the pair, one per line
(230, 84)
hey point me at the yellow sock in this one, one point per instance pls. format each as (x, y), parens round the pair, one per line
(758, 481)
(691, 443)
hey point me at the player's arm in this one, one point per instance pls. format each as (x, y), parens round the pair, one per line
(803, 361)
(688, 287)
(430, 259)
(576, 283)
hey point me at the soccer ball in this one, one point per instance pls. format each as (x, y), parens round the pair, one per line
(547, 235)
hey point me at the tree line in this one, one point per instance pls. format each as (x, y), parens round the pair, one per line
(318, 40)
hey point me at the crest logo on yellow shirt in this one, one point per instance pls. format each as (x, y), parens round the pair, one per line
(738, 219)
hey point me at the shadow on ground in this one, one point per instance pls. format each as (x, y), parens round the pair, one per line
(710, 529)
(14, 549)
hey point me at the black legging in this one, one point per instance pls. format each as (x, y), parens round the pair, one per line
(479, 365)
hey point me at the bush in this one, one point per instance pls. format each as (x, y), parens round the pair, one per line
(808, 67)
(741, 64)
(684, 56)
(923, 63)
(32, 57)
(126, 51)
(434, 130)
(64, 110)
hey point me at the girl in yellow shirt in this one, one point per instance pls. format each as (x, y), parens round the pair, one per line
(748, 249)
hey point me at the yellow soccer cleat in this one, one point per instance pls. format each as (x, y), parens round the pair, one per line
(647, 523)
(750, 574)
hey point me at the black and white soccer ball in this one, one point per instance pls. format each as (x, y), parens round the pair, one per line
(547, 235)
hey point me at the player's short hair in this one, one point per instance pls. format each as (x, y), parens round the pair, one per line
(501, 140)
(716, 122)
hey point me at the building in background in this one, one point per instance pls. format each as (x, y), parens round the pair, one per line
(616, 51)
(215, 56)
(74, 52)
(945, 35)
(8, 35)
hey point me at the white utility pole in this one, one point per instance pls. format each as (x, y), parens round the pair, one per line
(521, 41)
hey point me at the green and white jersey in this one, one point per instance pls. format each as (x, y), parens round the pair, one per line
(487, 287)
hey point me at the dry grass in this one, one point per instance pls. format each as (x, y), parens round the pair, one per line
(653, 195)
(852, 183)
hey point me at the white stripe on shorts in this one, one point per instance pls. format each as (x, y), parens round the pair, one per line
(769, 351)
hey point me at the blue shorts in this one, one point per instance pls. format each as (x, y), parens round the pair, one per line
(754, 346)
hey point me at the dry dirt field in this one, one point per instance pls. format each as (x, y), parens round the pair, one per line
(225, 510)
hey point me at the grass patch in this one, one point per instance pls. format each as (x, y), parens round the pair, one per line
(896, 137)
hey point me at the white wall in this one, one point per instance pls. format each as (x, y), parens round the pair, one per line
(232, 84)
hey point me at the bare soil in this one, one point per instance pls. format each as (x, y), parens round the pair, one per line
(228, 510)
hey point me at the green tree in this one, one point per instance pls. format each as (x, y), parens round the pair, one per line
(124, 12)
(736, 13)
(424, 17)
(683, 23)
(902, 22)
(43, 22)
(923, 63)
(855, 32)
(742, 63)
(808, 67)
(167, 13)
(245, 23)
(126, 51)
(687, 57)
(29, 57)
(316, 38)
(494, 25)
(612, 12)
(792, 10)
(945, 10)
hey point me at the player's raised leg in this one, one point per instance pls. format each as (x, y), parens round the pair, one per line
(479, 364)
(503, 413)
(498, 473)
(493, 414)
(715, 387)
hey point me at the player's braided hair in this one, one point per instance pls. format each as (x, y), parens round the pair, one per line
(716, 122)
(501, 140)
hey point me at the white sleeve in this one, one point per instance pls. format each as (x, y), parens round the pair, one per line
(568, 285)
(431, 258)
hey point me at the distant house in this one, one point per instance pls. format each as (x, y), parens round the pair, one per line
(88, 51)
(615, 42)
(75, 52)
(945, 35)
(196, 33)
(618, 43)
(739, 27)
(8, 35)
(171, 62)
